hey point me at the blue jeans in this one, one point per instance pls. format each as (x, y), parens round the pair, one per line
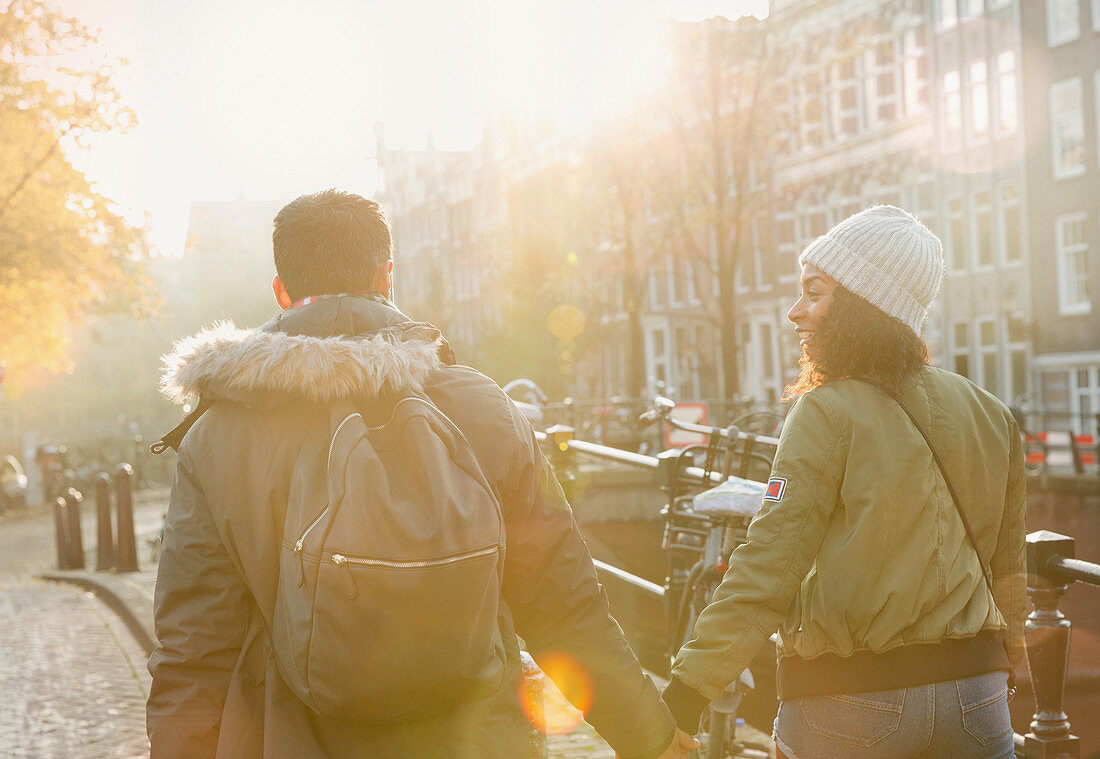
(957, 719)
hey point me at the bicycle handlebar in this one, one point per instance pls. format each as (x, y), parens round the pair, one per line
(663, 407)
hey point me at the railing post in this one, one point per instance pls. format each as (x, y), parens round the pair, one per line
(61, 528)
(534, 682)
(73, 499)
(105, 534)
(562, 457)
(126, 556)
(1047, 632)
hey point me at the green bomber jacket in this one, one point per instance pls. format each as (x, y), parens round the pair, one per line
(858, 556)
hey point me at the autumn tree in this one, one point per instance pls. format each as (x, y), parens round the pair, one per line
(724, 123)
(65, 250)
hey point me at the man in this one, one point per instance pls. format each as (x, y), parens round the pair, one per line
(217, 688)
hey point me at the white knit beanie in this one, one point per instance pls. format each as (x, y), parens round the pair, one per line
(885, 256)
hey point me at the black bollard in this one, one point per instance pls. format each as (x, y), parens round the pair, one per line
(126, 546)
(105, 534)
(61, 528)
(73, 499)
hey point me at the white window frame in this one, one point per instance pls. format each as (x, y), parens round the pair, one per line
(1003, 208)
(947, 14)
(1056, 132)
(1007, 82)
(975, 237)
(1072, 31)
(758, 254)
(965, 350)
(953, 260)
(977, 81)
(952, 137)
(1012, 348)
(1063, 253)
(912, 85)
(968, 9)
(786, 250)
(1077, 393)
(987, 350)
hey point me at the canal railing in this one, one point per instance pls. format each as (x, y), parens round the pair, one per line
(1051, 567)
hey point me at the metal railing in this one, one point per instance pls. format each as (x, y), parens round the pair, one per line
(1051, 567)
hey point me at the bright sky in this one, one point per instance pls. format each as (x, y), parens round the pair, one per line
(273, 98)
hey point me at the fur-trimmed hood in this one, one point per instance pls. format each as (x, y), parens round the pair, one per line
(265, 365)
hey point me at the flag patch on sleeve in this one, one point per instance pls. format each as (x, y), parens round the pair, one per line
(776, 486)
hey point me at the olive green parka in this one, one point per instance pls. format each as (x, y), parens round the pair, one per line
(858, 556)
(217, 691)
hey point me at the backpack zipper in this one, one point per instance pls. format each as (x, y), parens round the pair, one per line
(351, 591)
(300, 544)
(332, 443)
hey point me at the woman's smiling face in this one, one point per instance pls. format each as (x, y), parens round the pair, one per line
(817, 294)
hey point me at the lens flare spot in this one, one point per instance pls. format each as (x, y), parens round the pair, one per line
(555, 699)
(566, 321)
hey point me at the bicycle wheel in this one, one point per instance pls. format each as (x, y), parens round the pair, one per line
(691, 603)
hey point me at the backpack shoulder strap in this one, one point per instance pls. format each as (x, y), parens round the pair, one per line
(173, 438)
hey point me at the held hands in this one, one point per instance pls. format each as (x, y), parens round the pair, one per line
(681, 745)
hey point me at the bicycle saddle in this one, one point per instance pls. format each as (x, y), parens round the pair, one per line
(733, 499)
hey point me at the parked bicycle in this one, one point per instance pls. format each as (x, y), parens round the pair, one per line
(701, 530)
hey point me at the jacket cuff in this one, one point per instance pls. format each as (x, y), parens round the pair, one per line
(686, 705)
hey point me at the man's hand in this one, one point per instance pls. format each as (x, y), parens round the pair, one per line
(681, 745)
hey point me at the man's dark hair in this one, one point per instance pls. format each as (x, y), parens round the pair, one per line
(330, 242)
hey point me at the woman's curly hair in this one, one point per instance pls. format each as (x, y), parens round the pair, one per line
(856, 339)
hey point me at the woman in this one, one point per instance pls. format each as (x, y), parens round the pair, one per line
(891, 641)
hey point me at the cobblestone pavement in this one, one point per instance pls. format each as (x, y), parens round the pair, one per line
(72, 679)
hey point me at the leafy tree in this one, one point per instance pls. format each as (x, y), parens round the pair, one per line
(65, 251)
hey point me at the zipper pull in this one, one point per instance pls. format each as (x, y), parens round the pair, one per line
(301, 561)
(341, 562)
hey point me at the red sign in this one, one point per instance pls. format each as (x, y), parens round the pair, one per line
(692, 413)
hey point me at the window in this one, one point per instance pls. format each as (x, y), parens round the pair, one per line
(987, 349)
(952, 110)
(1017, 357)
(843, 99)
(656, 289)
(1096, 15)
(1073, 262)
(658, 355)
(1008, 107)
(1085, 395)
(983, 228)
(960, 348)
(1067, 128)
(785, 246)
(880, 83)
(914, 71)
(956, 221)
(762, 253)
(1011, 230)
(979, 100)
(1063, 21)
(948, 13)
(972, 8)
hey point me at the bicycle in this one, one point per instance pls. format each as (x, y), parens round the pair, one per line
(701, 530)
